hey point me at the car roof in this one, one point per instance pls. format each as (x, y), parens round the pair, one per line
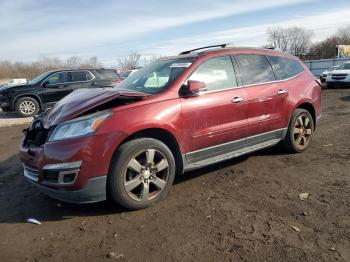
(78, 69)
(228, 50)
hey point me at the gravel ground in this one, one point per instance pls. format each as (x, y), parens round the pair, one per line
(246, 209)
(11, 119)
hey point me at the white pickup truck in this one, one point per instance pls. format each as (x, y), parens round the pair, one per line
(339, 76)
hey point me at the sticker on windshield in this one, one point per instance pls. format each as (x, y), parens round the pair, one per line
(180, 65)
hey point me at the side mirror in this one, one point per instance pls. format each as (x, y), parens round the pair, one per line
(45, 83)
(194, 87)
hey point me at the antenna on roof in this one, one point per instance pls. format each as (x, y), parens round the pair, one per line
(205, 47)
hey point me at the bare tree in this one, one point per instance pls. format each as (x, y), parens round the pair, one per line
(73, 62)
(94, 63)
(295, 40)
(343, 34)
(10, 70)
(131, 61)
(328, 47)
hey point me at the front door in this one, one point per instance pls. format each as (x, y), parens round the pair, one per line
(55, 88)
(217, 116)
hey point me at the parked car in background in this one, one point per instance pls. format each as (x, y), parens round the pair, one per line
(127, 73)
(45, 90)
(324, 74)
(339, 76)
(177, 114)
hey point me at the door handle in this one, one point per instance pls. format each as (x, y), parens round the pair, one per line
(237, 99)
(281, 92)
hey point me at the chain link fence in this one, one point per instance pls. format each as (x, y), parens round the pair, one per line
(318, 66)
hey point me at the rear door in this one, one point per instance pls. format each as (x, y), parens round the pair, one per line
(216, 116)
(80, 79)
(267, 107)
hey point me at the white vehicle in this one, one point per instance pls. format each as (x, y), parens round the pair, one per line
(324, 74)
(339, 76)
(15, 82)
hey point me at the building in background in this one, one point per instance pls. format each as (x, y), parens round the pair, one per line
(343, 51)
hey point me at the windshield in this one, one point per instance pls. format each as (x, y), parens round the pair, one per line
(345, 66)
(39, 78)
(157, 76)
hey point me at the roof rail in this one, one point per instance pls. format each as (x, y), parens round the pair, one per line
(204, 47)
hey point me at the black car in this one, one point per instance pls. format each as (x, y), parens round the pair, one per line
(48, 88)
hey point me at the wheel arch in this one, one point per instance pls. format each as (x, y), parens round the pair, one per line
(310, 108)
(164, 136)
(34, 96)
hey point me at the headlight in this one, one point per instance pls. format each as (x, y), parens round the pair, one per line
(81, 126)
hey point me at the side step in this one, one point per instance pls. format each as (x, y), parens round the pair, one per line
(229, 155)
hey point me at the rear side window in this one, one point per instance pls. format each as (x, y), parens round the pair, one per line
(216, 73)
(78, 76)
(106, 74)
(284, 67)
(254, 69)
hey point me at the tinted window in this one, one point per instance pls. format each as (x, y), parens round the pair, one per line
(254, 69)
(78, 76)
(216, 73)
(345, 66)
(106, 74)
(284, 67)
(57, 78)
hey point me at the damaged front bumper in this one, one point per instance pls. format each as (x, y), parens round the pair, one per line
(72, 170)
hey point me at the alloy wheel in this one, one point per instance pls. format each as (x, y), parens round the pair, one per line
(27, 107)
(146, 175)
(302, 131)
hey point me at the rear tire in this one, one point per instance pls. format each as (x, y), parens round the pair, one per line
(27, 106)
(141, 174)
(300, 132)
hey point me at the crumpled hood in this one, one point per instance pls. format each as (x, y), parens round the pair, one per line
(82, 100)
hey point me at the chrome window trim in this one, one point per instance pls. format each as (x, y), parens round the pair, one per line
(245, 86)
(70, 71)
(238, 85)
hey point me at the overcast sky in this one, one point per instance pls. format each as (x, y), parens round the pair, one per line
(110, 28)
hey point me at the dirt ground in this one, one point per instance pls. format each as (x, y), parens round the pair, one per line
(240, 210)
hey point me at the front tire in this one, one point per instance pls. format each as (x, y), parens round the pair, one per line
(300, 132)
(27, 107)
(141, 174)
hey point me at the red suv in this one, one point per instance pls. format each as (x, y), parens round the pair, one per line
(177, 114)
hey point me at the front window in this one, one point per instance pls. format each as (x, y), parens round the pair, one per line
(157, 76)
(40, 78)
(216, 73)
(57, 78)
(345, 66)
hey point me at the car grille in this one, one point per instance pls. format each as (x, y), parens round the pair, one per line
(31, 173)
(339, 76)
